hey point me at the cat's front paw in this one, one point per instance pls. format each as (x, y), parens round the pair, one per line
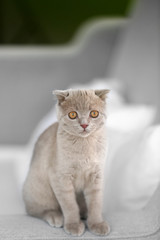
(75, 229)
(101, 228)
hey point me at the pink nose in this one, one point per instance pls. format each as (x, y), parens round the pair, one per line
(84, 125)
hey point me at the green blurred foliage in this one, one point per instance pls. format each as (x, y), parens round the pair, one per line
(51, 21)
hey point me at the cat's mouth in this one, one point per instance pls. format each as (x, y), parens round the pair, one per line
(85, 132)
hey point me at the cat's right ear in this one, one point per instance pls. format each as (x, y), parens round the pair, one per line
(61, 95)
(102, 93)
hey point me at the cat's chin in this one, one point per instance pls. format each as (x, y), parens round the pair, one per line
(85, 134)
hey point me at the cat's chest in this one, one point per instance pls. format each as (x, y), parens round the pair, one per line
(81, 162)
(82, 149)
(78, 180)
(82, 175)
(81, 157)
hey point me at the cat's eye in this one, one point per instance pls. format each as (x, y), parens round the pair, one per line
(72, 115)
(94, 113)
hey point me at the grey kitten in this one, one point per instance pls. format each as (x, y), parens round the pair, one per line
(65, 180)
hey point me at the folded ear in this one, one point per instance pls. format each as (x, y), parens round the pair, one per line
(102, 93)
(61, 95)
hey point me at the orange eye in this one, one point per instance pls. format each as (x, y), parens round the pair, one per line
(72, 115)
(94, 114)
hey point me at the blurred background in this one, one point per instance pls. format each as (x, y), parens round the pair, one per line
(52, 22)
(54, 44)
(46, 46)
(58, 44)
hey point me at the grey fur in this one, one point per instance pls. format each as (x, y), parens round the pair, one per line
(65, 180)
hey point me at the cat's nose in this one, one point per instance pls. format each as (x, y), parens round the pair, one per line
(84, 125)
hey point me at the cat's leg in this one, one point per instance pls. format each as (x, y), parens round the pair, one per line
(53, 217)
(66, 197)
(50, 213)
(40, 202)
(82, 205)
(72, 223)
(93, 196)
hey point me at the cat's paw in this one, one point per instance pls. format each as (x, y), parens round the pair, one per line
(54, 218)
(75, 229)
(101, 228)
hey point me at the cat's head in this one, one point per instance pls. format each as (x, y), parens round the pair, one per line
(81, 112)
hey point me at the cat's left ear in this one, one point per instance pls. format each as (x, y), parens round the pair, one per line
(61, 95)
(102, 93)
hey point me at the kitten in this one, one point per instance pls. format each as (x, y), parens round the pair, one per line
(65, 179)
